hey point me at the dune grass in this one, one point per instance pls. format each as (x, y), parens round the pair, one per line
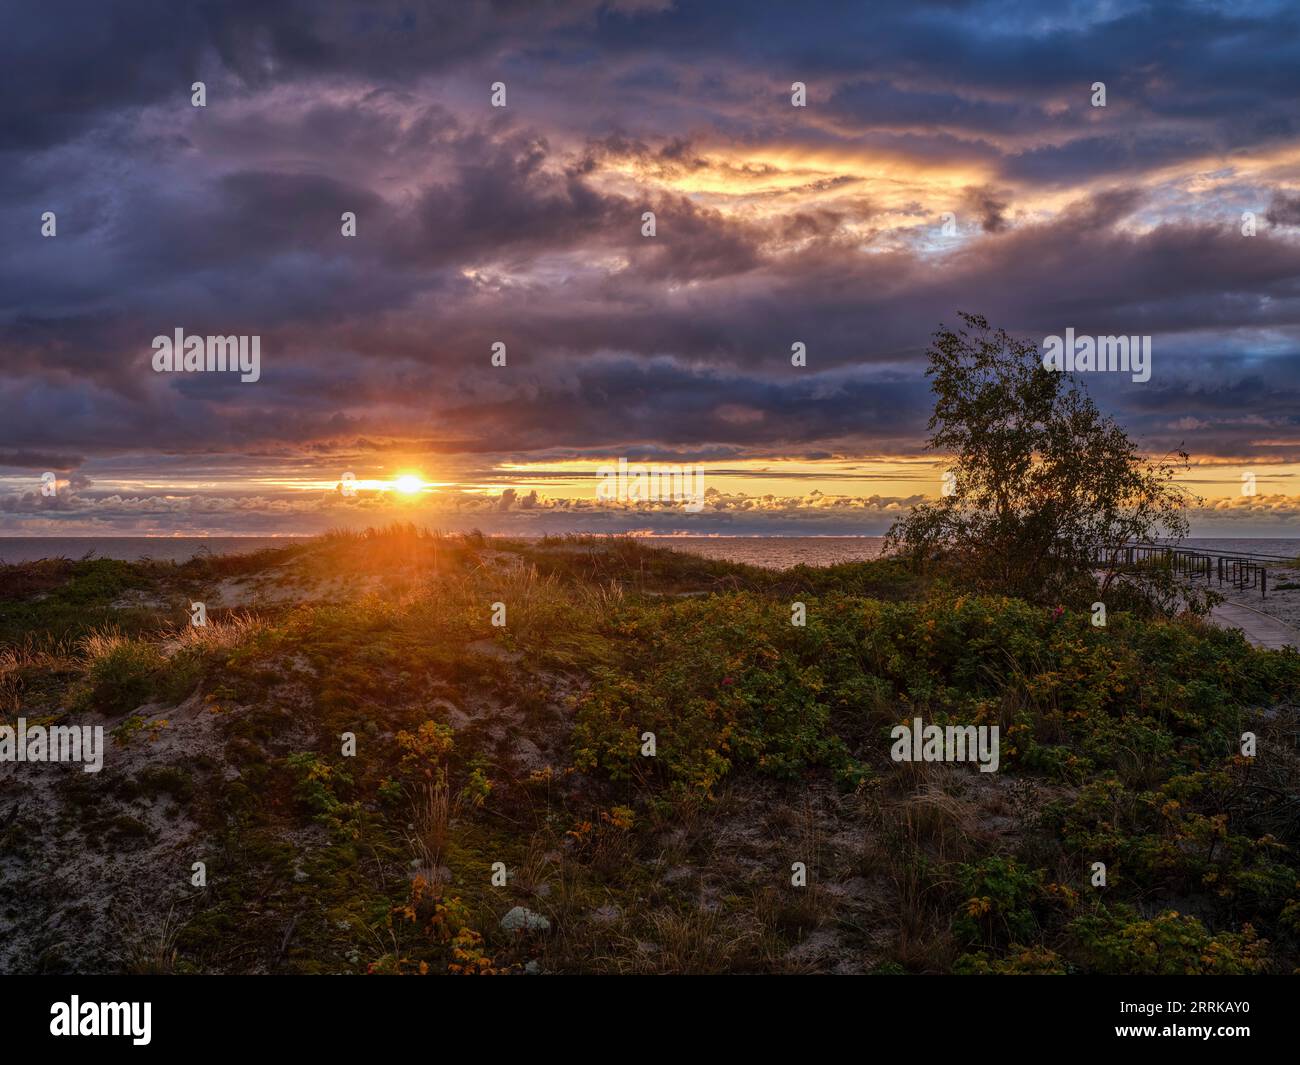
(519, 747)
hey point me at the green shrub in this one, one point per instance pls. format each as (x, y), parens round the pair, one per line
(719, 681)
(317, 782)
(121, 678)
(999, 894)
(1169, 944)
(1019, 961)
(171, 780)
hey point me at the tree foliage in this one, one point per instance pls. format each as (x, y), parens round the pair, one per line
(1041, 480)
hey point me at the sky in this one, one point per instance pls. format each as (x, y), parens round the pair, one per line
(949, 157)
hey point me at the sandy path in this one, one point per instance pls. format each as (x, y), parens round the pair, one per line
(1260, 629)
(1272, 621)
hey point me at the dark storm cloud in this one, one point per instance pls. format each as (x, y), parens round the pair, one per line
(38, 460)
(67, 64)
(881, 105)
(990, 207)
(1284, 210)
(981, 66)
(524, 226)
(664, 403)
(1113, 156)
(852, 309)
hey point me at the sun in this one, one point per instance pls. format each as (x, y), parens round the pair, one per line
(409, 484)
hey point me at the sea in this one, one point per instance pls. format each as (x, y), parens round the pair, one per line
(772, 552)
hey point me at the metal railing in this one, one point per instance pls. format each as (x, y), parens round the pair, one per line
(1241, 571)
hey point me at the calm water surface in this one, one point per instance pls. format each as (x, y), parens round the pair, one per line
(773, 552)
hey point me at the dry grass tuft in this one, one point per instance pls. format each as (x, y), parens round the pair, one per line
(100, 643)
(431, 808)
(148, 940)
(224, 633)
(694, 942)
(17, 661)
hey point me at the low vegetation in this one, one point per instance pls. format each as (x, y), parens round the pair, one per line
(523, 745)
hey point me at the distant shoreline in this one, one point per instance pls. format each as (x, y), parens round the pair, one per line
(768, 552)
(538, 536)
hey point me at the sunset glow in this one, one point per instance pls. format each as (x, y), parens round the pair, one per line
(647, 488)
(439, 283)
(408, 484)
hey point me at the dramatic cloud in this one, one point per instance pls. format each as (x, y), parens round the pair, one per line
(949, 158)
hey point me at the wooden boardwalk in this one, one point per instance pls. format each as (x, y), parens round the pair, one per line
(1262, 630)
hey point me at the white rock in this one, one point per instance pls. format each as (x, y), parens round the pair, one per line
(522, 920)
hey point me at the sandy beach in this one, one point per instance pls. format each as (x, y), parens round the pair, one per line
(1250, 611)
